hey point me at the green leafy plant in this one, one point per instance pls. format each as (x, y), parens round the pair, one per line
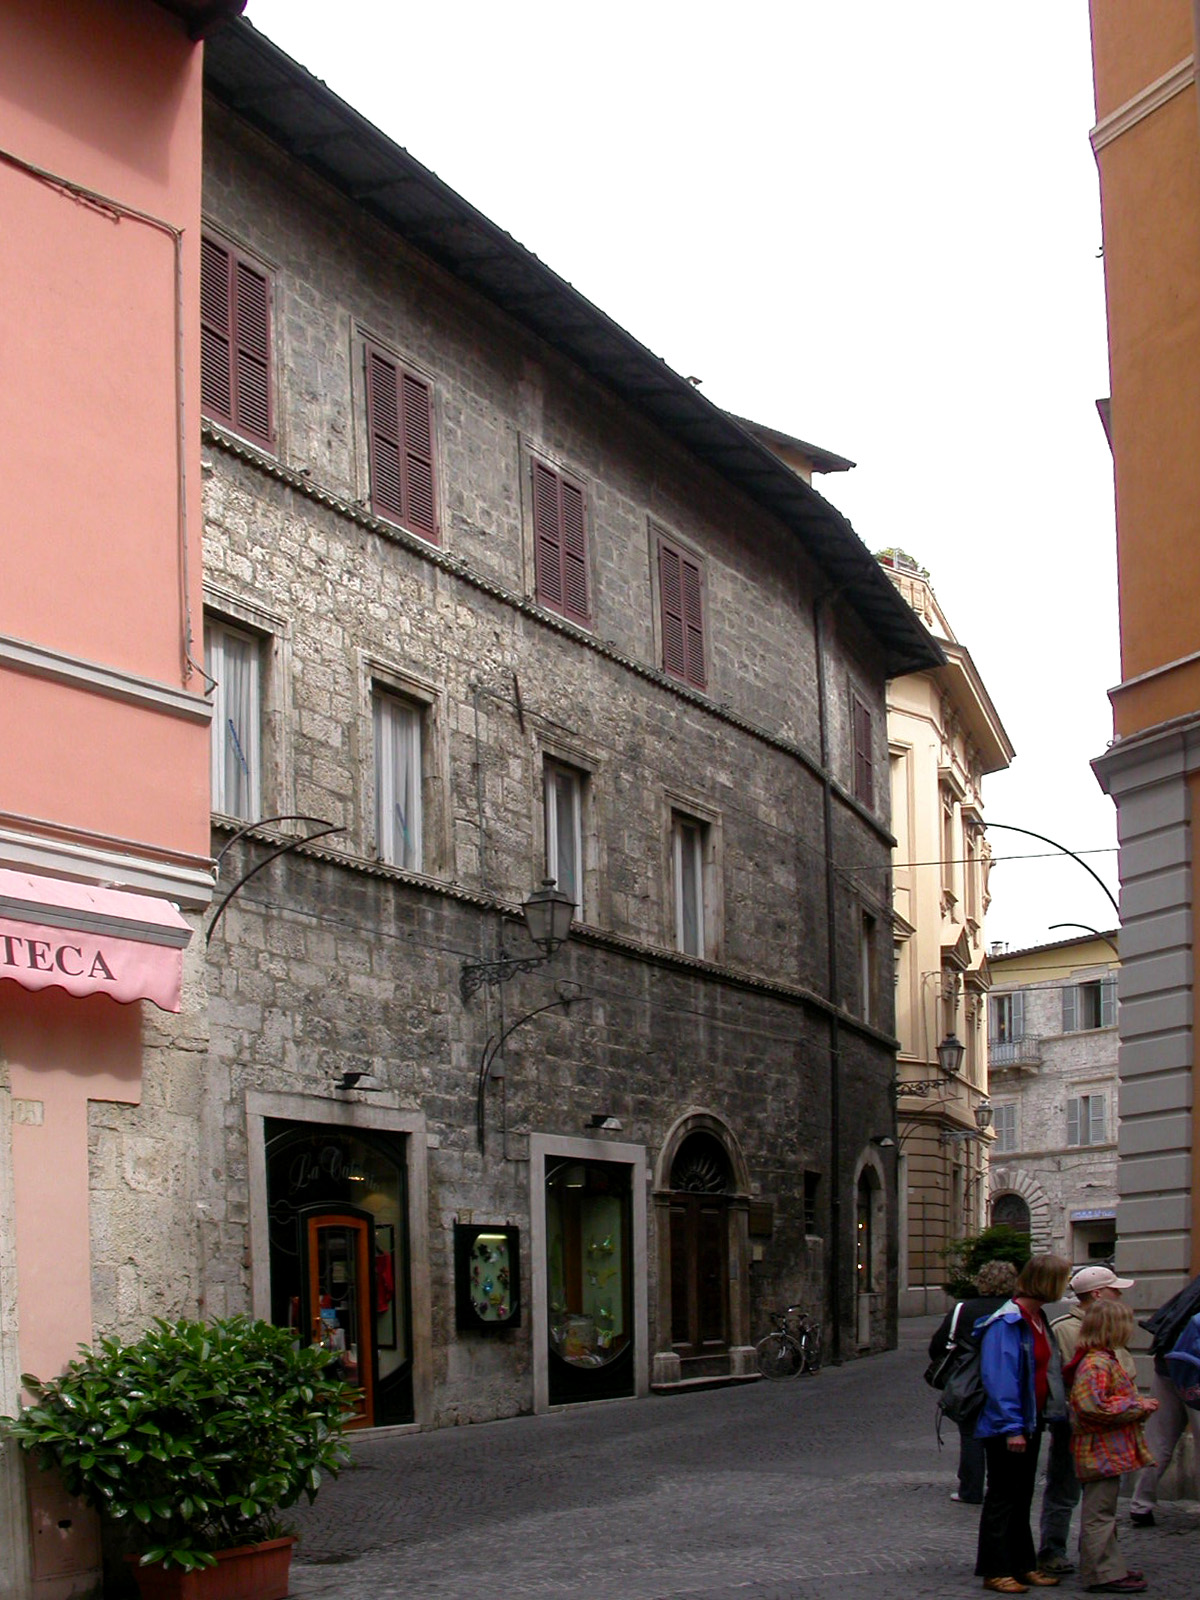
(965, 1256)
(199, 1432)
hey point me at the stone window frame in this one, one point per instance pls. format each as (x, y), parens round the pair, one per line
(689, 808)
(273, 631)
(364, 337)
(379, 674)
(531, 450)
(586, 761)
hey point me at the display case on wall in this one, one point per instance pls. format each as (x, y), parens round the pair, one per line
(487, 1277)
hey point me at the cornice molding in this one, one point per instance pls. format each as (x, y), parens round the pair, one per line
(59, 853)
(1143, 104)
(36, 661)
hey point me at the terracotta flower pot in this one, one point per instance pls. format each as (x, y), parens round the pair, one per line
(251, 1572)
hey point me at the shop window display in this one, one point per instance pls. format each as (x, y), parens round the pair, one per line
(339, 1269)
(589, 1278)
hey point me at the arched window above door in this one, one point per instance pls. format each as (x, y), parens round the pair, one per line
(702, 1166)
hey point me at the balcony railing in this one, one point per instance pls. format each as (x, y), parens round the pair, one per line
(1025, 1052)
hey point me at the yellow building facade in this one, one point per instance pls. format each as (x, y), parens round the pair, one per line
(1147, 145)
(944, 737)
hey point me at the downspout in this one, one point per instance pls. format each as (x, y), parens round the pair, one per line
(833, 1266)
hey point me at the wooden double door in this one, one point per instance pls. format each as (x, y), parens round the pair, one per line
(699, 1275)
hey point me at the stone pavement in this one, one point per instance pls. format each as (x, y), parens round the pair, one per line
(820, 1488)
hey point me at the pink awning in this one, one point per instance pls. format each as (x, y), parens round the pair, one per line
(90, 941)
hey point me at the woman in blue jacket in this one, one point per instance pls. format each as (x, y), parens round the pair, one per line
(1023, 1384)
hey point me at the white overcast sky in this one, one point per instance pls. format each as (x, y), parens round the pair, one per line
(870, 225)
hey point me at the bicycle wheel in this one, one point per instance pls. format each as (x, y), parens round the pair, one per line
(810, 1347)
(778, 1356)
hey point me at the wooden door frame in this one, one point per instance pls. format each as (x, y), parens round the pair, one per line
(363, 1228)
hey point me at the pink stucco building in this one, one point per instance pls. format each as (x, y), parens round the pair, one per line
(104, 721)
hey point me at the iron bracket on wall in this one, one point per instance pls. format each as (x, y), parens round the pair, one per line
(322, 829)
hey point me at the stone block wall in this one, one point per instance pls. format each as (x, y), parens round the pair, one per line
(329, 961)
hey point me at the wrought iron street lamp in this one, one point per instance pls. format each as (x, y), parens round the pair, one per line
(950, 1059)
(548, 914)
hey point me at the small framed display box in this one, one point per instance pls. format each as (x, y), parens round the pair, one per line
(487, 1277)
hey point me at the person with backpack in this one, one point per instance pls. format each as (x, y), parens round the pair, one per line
(994, 1282)
(1088, 1284)
(1166, 1328)
(1108, 1439)
(1023, 1387)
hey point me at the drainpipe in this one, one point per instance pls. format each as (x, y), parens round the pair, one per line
(834, 1265)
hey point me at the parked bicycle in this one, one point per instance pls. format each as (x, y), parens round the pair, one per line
(794, 1345)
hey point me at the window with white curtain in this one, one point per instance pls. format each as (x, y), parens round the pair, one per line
(398, 805)
(564, 829)
(234, 659)
(687, 842)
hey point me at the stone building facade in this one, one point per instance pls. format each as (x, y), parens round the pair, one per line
(1053, 1049)
(494, 597)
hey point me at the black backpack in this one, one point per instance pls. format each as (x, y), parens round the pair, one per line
(963, 1394)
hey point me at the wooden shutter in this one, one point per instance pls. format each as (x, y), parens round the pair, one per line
(1018, 1015)
(681, 600)
(1096, 1132)
(216, 341)
(1070, 998)
(1108, 1003)
(864, 753)
(560, 544)
(252, 333)
(1073, 1121)
(235, 342)
(400, 445)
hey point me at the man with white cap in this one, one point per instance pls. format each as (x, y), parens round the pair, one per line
(1062, 1486)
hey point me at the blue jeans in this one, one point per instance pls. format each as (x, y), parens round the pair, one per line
(1061, 1495)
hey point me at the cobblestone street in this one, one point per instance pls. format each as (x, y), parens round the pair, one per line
(807, 1490)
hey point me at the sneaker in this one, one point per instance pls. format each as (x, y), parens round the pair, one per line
(1059, 1566)
(1126, 1585)
(1142, 1519)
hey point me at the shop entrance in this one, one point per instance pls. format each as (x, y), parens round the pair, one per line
(339, 1256)
(701, 1179)
(589, 1274)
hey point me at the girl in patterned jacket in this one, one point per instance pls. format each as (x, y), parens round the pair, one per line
(1107, 1439)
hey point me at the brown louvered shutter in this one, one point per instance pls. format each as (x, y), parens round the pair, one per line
(252, 328)
(383, 437)
(681, 592)
(416, 416)
(560, 544)
(547, 537)
(574, 552)
(216, 352)
(235, 342)
(400, 445)
(864, 762)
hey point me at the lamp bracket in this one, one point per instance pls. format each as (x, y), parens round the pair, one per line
(475, 974)
(922, 1087)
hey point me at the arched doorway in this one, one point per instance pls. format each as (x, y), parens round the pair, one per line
(701, 1184)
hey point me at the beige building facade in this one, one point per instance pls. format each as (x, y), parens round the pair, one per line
(1052, 1061)
(944, 737)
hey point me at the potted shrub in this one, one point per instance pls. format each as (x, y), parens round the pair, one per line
(196, 1436)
